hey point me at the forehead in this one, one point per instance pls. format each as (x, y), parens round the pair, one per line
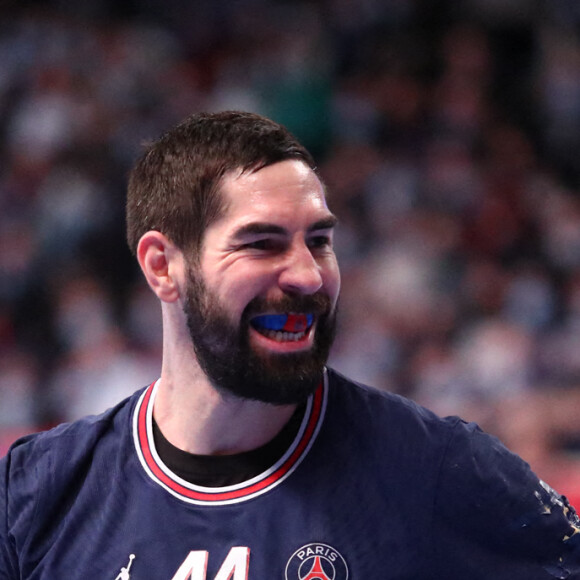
(280, 191)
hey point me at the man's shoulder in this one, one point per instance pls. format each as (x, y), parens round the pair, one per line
(369, 403)
(60, 449)
(44, 474)
(463, 446)
(390, 428)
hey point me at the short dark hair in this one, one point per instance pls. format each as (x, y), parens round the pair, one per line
(174, 186)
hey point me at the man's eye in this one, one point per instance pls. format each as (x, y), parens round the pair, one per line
(320, 242)
(264, 244)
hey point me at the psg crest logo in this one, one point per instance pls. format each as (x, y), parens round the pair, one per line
(316, 562)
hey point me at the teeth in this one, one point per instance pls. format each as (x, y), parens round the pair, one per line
(283, 336)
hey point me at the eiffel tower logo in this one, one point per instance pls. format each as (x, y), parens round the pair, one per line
(317, 572)
(124, 573)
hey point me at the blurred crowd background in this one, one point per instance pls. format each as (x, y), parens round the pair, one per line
(448, 133)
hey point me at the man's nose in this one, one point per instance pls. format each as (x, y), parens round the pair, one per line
(301, 272)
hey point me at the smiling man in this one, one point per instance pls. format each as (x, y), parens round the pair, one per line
(249, 303)
(266, 287)
(248, 458)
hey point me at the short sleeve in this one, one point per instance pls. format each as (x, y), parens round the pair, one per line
(8, 561)
(495, 519)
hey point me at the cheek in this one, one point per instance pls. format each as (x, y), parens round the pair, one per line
(237, 289)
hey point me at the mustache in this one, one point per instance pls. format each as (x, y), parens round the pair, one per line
(317, 304)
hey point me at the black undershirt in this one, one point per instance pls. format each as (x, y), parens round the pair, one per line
(224, 470)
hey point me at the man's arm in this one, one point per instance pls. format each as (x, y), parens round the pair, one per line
(8, 558)
(494, 518)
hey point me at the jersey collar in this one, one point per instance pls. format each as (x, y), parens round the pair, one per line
(196, 494)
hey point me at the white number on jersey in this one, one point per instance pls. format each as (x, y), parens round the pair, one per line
(234, 567)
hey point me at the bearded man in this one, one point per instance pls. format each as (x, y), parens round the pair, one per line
(249, 458)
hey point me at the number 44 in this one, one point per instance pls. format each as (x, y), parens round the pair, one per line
(234, 567)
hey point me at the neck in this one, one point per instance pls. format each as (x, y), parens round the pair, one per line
(196, 418)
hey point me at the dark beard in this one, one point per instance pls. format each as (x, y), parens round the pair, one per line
(224, 353)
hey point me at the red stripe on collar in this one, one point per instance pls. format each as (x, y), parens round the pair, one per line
(160, 473)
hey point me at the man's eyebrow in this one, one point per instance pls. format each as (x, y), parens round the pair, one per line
(326, 223)
(257, 228)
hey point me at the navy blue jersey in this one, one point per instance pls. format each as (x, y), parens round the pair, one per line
(373, 487)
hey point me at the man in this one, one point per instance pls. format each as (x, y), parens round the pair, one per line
(248, 459)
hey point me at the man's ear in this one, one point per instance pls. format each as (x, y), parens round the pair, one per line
(162, 263)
